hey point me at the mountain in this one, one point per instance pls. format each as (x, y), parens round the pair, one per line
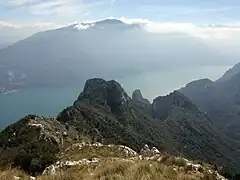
(219, 99)
(3, 45)
(33, 143)
(230, 73)
(141, 102)
(109, 48)
(104, 113)
(87, 160)
(67, 55)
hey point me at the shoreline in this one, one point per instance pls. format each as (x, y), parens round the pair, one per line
(8, 91)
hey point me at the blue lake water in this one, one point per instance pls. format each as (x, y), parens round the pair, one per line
(43, 101)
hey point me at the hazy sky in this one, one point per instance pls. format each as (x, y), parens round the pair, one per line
(215, 23)
(64, 11)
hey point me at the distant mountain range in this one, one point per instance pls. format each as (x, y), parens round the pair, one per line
(109, 48)
(2, 45)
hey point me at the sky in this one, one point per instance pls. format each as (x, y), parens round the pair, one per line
(47, 12)
(216, 23)
(21, 18)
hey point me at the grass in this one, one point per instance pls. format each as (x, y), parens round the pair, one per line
(94, 152)
(115, 164)
(116, 170)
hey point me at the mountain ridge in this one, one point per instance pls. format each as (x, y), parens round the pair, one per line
(219, 99)
(105, 113)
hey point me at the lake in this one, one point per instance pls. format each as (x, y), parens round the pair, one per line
(42, 101)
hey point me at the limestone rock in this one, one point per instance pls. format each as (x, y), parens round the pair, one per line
(52, 169)
(145, 151)
(155, 151)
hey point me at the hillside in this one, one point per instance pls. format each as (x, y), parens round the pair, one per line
(173, 123)
(105, 114)
(219, 99)
(97, 161)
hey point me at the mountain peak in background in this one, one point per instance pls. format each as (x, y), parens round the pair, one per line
(105, 24)
(138, 97)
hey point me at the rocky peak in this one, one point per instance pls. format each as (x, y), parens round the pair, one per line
(105, 93)
(138, 97)
(201, 83)
(110, 21)
(162, 105)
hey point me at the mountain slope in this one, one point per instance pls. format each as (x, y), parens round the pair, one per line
(94, 161)
(68, 55)
(33, 143)
(109, 48)
(105, 112)
(220, 100)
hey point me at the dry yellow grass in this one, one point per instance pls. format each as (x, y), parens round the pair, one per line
(116, 170)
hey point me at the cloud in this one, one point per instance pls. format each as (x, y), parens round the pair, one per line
(11, 32)
(40, 25)
(207, 31)
(204, 32)
(19, 2)
(66, 8)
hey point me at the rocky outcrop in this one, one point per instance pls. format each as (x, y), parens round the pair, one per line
(138, 98)
(146, 152)
(58, 166)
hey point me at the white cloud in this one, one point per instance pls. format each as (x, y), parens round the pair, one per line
(214, 32)
(20, 2)
(11, 32)
(219, 32)
(39, 25)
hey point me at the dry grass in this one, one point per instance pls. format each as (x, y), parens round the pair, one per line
(103, 152)
(9, 174)
(116, 170)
